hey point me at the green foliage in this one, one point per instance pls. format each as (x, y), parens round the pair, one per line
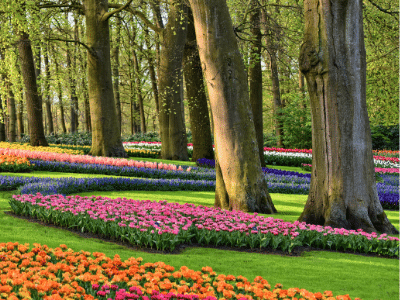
(385, 137)
(296, 122)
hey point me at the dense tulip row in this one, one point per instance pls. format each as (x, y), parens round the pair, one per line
(60, 273)
(28, 147)
(86, 159)
(164, 225)
(11, 163)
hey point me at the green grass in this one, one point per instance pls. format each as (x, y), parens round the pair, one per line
(317, 271)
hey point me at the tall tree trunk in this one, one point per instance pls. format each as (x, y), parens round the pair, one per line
(2, 124)
(152, 71)
(20, 118)
(272, 49)
(255, 79)
(196, 96)
(138, 88)
(172, 123)
(47, 93)
(72, 86)
(343, 189)
(33, 102)
(59, 94)
(116, 72)
(106, 134)
(241, 184)
(12, 115)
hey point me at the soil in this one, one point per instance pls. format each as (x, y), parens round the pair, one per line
(297, 251)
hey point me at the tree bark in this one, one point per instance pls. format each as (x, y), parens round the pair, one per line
(241, 184)
(152, 72)
(20, 119)
(12, 115)
(106, 134)
(116, 72)
(33, 101)
(2, 124)
(343, 191)
(47, 93)
(255, 79)
(74, 97)
(196, 96)
(172, 123)
(138, 88)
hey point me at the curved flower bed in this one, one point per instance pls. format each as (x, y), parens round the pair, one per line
(60, 273)
(164, 225)
(87, 159)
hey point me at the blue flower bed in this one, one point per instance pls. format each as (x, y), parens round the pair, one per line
(53, 166)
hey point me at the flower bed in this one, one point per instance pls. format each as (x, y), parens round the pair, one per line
(11, 163)
(60, 273)
(164, 225)
(28, 147)
(87, 159)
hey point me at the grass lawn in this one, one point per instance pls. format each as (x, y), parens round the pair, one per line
(359, 276)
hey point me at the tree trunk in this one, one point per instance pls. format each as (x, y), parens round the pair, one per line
(20, 118)
(2, 124)
(12, 115)
(255, 79)
(196, 96)
(116, 72)
(138, 88)
(74, 97)
(47, 93)
(343, 190)
(106, 134)
(172, 124)
(33, 102)
(241, 184)
(152, 72)
(272, 49)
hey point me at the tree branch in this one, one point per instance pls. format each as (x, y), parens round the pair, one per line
(107, 15)
(138, 14)
(392, 13)
(72, 41)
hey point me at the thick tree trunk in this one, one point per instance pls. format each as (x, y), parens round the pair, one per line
(241, 184)
(172, 123)
(47, 93)
(116, 72)
(197, 98)
(33, 101)
(272, 49)
(343, 190)
(138, 88)
(106, 134)
(255, 79)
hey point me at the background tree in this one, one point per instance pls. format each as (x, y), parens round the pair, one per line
(343, 190)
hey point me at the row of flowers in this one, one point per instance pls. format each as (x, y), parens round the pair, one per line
(387, 191)
(11, 163)
(61, 273)
(307, 167)
(268, 151)
(164, 225)
(87, 159)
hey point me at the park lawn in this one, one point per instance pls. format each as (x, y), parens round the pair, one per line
(359, 276)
